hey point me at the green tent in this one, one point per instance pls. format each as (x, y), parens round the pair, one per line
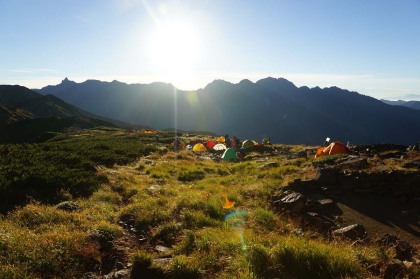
(229, 155)
(248, 144)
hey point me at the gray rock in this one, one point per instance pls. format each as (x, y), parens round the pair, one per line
(67, 206)
(120, 274)
(294, 202)
(163, 250)
(352, 232)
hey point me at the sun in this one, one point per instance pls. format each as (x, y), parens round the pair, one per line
(173, 50)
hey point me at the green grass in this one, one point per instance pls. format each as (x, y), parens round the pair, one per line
(65, 163)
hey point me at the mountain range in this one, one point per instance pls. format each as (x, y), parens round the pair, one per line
(408, 104)
(272, 107)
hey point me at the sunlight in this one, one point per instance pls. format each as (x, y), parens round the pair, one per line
(173, 50)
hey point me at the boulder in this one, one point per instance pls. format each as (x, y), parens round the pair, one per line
(404, 251)
(387, 240)
(319, 222)
(355, 163)
(393, 269)
(294, 202)
(353, 232)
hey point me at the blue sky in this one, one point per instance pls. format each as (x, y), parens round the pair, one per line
(372, 47)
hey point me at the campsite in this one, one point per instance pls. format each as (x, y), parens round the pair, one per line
(115, 203)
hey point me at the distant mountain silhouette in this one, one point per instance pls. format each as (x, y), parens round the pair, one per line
(26, 116)
(270, 107)
(408, 104)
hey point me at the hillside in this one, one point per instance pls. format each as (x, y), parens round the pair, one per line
(104, 203)
(270, 107)
(27, 116)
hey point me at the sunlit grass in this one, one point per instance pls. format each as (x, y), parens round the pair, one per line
(176, 200)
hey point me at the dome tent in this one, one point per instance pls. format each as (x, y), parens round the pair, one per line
(335, 147)
(248, 144)
(219, 147)
(229, 155)
(199, 147)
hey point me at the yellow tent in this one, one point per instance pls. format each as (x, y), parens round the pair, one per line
(199, 147)
(221, 139)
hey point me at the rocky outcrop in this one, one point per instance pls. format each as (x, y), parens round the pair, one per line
(351, 232)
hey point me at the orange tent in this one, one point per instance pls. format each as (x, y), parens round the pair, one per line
(335, 147)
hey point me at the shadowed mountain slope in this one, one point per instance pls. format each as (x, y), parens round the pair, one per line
(26, 116)
(270, 107)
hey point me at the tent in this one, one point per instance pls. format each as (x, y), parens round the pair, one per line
(335, 147)
(248, 144)
(219, 147)
(210, 144)
(199, 147)
(221, 139)
(229, 155)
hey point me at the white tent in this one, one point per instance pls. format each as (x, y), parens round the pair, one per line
(219, 146)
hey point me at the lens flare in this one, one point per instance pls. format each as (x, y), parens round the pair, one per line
(236, 220)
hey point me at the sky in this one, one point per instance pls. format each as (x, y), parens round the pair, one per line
(372, 47)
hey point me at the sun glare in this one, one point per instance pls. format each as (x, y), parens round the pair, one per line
(173, 50)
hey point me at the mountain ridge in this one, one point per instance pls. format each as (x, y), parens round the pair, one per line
(272, 107)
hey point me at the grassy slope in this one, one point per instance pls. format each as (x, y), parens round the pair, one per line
(175, 200)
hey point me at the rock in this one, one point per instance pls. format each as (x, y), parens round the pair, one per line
(120, 274)
(412, 164)
(408, 264)
(404, 251)
(269, 165)
(298, 232)
(302, 154)
(294, 202)
(393, 269)
(355, 163)
(67, 206)
(155, 187)
(119, 266)
(353, 232)
(387, 240)
(313, 205)
(321, 199)
(163, 250)
(319, 222)
(89, 275)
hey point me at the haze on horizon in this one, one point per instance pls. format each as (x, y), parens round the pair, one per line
(366, 46)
